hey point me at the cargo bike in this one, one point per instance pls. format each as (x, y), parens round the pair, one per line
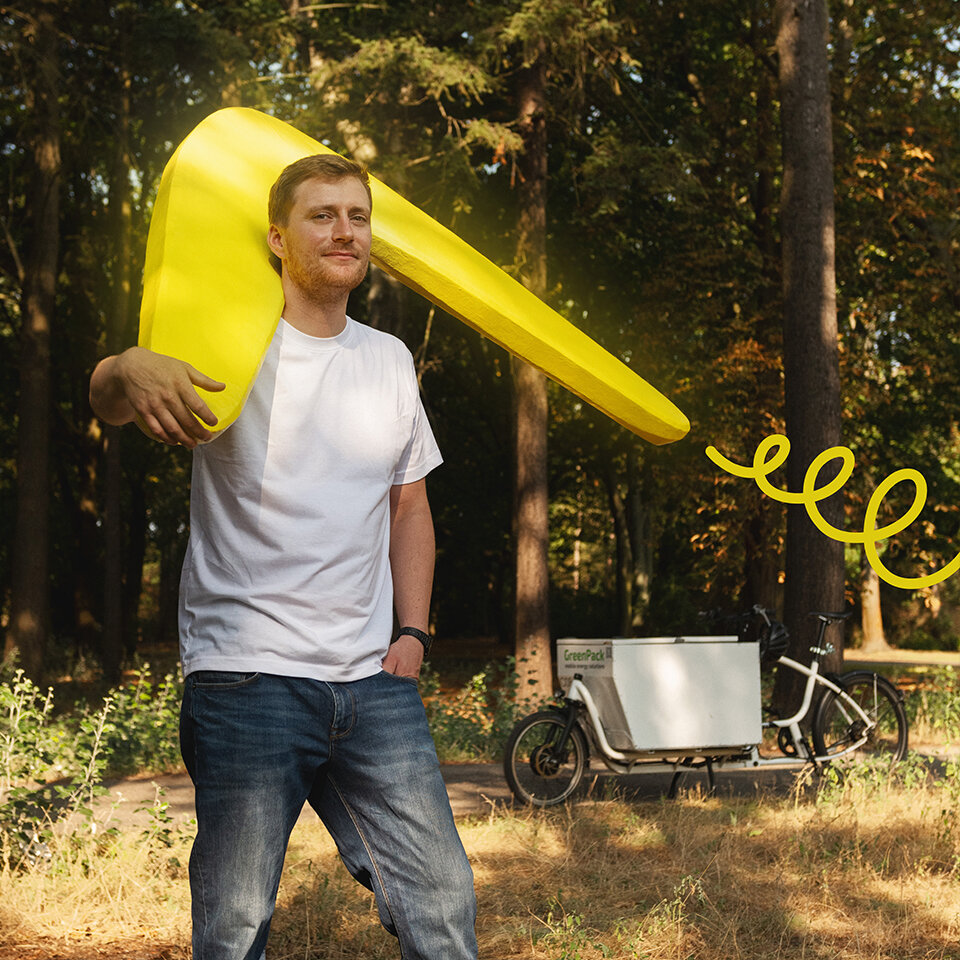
(679, 704)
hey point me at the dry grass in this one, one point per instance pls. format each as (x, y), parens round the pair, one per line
(865, 871)
(860, 876)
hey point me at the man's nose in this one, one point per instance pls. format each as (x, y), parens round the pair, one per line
(343, 228)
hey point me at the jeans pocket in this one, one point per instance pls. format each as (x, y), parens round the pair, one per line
(222, 679)
(413, 681)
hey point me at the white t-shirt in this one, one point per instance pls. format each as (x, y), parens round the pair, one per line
(287, 569)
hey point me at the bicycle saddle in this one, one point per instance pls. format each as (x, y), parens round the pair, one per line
(831, 617)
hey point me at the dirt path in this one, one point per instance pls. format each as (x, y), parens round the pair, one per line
(905, 658)
(472, 788)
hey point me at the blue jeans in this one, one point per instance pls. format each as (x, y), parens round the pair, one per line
(257, 746)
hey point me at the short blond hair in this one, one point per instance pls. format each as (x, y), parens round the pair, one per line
(327, 167)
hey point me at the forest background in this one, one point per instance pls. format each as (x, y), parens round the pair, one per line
(662, 129)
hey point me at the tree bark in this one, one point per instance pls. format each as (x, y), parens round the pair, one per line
(762, 561)
(30, 608)
(531, 506)
(624, 569)
(871, 617)
(121, 216)
(814, 563)
(641, 548)
(135, 551)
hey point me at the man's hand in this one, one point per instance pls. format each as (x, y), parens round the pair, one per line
(156, 390)
(404, 657)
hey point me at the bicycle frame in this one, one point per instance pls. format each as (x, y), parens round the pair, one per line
(814, 677)
(627, 761)
(704, 715)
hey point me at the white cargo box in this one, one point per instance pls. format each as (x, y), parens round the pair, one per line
(670, 695)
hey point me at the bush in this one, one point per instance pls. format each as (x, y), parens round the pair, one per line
(473, 725)
(934, 634)
(52, 768)
(143, 733)
(935, 705)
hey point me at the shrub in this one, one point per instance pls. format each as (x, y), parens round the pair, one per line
(934, 707)
(52, 768)
(143, 733)
(935, 634)
(473, 725)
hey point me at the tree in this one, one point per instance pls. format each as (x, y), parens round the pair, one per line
(30, 615)
(117, 337)
(814, 564)
(531, 497)
(895, 77)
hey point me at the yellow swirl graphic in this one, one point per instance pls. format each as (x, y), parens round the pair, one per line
(772, 453)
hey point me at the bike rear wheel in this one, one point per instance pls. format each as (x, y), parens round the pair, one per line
(539, 769)
(836, 726)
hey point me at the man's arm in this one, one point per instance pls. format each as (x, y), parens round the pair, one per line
(412, 551)
(157, 389)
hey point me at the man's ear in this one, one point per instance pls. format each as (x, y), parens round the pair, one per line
(275, 241)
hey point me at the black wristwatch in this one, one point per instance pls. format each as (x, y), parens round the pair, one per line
(424, 638)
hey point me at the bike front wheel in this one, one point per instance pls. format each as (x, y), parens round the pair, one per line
(837, 726)
(541, 770)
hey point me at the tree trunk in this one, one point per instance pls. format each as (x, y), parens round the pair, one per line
(871, 618)
(761, 562)
(621, 536)
(641, 549)
(532, 623)
(84, 512)
(172, 552)
(134, 554)
(117, 325)
(385, 306)
(30, 613)
(814, 563)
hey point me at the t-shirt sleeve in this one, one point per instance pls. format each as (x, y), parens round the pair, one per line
(420, 454)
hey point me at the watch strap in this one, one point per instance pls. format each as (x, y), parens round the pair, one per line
(420, 635)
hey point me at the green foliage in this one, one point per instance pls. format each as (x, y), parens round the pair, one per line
(52, 771)
(936, 704)
(474, 724)
(29, 741)
(663, 245)
(935, 634)
(566, 935)
(52, 767)
(871, 776)
(142, 735)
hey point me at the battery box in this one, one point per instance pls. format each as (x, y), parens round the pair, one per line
(670, 695)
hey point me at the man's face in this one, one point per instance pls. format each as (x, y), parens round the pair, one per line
(325, 245)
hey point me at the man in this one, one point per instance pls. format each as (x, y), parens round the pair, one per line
(309, 525)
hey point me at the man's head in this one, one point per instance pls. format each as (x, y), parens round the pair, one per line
(320, 230)
(326, 167)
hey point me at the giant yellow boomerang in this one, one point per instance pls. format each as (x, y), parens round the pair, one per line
(212, 298)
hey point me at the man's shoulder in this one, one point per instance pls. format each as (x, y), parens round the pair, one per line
(381, 340)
